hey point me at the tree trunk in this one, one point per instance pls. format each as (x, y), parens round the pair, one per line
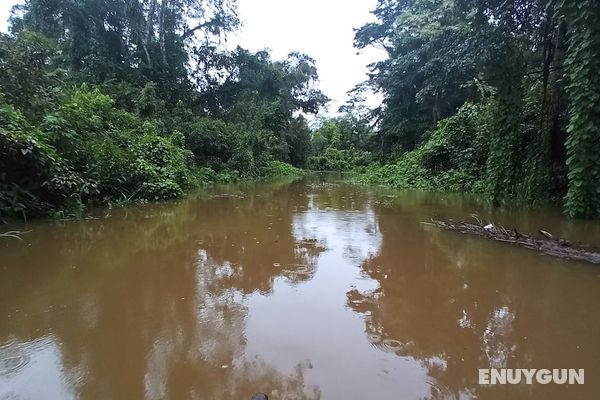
(161, 31)
(148, 32)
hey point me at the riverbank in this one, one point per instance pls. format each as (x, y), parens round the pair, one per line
(197, 178)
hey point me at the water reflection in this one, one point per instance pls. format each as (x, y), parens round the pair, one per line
(457, 304)
(32, 370)
(303, 291)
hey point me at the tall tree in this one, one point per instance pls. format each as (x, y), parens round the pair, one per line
(270, 95)
(134, 40)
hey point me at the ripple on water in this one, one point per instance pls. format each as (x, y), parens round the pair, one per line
(439, 391)
(390, 345)
(297, 270)
(12, 358)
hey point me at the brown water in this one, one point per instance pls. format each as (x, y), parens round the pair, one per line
(305, 290)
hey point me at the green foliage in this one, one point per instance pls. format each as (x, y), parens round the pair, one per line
(333, 159)
(25, 77)
(338, 145)
(112, 41)
(123, 154)
(583, 144)
(505, 155)
(281, 169)
(106, 102)
(35, 178)
(226, 146)
(85, 153)
(460, 143)
(266, 96)
(453, 158)
(512, 57)
(251, 156)
(211, 141)
(406, 173)
(433, 57)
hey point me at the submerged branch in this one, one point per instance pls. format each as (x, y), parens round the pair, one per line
(546, 243)
(12, 234)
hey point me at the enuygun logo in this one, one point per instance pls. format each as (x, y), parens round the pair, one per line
(517, 376)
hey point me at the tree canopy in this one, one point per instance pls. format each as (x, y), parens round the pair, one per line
(528, 63)
(490, 96)
(109, 101)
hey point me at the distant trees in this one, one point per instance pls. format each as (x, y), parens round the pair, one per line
(270, 95)
(339, 144)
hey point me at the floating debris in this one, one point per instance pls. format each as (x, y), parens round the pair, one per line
(546, 244)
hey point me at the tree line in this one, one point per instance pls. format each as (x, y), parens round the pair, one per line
(111, 101)
(490, 96)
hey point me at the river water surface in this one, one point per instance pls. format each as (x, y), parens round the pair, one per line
(304, 290)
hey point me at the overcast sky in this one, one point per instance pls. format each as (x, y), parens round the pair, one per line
(323, 29)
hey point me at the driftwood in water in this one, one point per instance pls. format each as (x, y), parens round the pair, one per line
(13, 234)
(546, 243)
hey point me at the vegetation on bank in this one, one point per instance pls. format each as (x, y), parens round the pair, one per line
(283, 170)
(339, 144)
(452, 158)
(497, 97)
(109, 102)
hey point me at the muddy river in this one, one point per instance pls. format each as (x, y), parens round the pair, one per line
(302, 290)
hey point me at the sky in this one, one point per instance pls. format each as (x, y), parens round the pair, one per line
(323, 29)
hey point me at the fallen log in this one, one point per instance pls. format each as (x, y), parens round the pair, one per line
(546, 243)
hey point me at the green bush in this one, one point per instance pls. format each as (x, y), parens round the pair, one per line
(234, 150)
(86, 153)
(282, 169)
(453, 158)
(124, 155)
(35, 178)
(211, 141)
(333, 159)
